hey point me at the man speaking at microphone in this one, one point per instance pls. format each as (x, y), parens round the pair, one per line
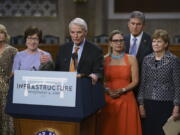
(80, 55)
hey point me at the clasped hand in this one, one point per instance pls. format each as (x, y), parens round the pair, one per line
(114, 93)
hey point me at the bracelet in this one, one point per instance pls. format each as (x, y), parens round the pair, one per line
(106, 89)
(124, 90)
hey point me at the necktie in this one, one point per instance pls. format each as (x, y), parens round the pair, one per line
(74, 60)
(133, 49)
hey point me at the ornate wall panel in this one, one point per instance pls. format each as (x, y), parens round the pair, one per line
(27, 8)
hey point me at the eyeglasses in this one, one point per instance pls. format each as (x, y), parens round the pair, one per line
(34, 39)
(118, 40)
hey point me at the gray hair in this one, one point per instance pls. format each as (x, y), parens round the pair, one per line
(138, 14)
(80, 22)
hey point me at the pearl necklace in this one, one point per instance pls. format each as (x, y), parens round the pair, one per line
(117, 57)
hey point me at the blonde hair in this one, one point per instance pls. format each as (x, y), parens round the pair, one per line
(4, 31)
(111, 35)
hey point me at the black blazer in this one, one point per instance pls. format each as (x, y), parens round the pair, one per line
(91, 60)
(145, 47)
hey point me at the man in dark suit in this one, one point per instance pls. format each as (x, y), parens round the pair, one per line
(138, 43)
(136, 25)
(89, 56)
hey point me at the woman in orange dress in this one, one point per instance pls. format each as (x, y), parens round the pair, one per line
(120, 116)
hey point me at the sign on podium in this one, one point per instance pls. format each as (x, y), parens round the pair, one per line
(43, 100)
(45, 88)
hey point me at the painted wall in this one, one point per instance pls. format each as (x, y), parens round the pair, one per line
(95, 12)
(172, 26)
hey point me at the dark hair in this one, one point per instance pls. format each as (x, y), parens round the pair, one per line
(114, 32)
(138, 14)
(31, 30)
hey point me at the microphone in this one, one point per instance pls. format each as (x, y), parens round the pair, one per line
(34, 68)
(75, 56)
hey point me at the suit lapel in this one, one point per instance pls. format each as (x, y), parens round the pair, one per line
(141, 46)
(127, 43)
(84, 54)
(69, 52)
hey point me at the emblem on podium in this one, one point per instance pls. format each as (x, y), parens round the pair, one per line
(47, 131)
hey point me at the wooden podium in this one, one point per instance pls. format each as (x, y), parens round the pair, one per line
(32, 127)
(33, 119)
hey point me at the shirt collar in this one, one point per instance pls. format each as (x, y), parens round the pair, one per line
(81, 45)
(137, 37)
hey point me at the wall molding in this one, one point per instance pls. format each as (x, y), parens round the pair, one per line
(164, 15)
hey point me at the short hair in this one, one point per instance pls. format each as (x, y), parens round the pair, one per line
(31, 30)
(80, 22)
(137, 14)
(163, 34)
(114, 32)
(4, 31)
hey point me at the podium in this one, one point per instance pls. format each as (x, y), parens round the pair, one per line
(31, 119)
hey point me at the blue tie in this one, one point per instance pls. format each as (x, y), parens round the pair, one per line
(133, 48)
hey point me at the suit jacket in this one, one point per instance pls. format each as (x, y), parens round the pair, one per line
(145, 47)
(91, 60)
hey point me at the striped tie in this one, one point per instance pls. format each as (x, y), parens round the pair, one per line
(133, 48)
(74, 60)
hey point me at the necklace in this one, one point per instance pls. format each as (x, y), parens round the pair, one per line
(117, 57)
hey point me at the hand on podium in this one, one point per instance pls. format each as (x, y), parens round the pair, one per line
(94, 77)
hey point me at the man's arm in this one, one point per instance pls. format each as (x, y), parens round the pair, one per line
(97, 73)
